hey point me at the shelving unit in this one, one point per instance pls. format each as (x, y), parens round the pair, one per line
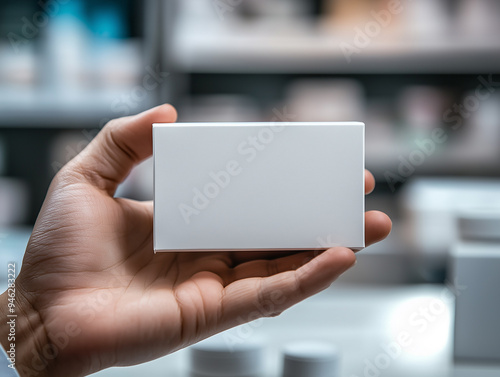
(304, 48)
(35, 108)
(53, 88)
(50, 93)
(258, 58)
(267, 54)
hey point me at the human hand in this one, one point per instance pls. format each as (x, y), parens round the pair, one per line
(91, 293)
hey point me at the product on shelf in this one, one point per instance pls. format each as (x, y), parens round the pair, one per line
(318, 100)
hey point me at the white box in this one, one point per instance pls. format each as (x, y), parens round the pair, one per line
(254, 186)
(475, 262)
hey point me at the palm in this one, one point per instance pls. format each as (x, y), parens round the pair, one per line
(90, 265)
(112, 278)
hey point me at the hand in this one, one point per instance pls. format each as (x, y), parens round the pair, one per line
(92, 294)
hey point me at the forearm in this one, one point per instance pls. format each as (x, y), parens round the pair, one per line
(22, 335)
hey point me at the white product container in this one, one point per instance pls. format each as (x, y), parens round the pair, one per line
(475, 265)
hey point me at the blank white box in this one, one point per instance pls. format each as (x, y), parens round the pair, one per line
(258, 186)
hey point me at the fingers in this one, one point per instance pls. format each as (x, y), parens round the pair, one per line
(268, 267)
(377, 227)
(245, 300)
(120, 145)
(369, 182)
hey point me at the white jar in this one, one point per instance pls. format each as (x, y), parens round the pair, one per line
(310, 359)
(227, 355)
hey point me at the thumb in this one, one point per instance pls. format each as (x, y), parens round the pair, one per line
(121, 144)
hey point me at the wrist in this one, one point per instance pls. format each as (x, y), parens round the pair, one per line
(22, 335)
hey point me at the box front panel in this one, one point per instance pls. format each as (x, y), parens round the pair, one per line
(258, 187)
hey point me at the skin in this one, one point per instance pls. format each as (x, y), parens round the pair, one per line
(91, 293)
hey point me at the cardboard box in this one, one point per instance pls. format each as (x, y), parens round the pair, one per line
(256, 186)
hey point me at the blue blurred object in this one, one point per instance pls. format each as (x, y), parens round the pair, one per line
(108, 19)
(74, 8)
(105, 19)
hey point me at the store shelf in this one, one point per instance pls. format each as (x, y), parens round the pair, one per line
(304, 48)
(33, 108)
(384, 157)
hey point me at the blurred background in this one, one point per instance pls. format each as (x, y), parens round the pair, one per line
(423, 75)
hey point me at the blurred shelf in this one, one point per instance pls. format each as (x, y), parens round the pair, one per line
(302, 47)
(480, 157)
(33, 108)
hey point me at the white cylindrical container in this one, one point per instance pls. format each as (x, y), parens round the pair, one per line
(311, 359)
(227, 356)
